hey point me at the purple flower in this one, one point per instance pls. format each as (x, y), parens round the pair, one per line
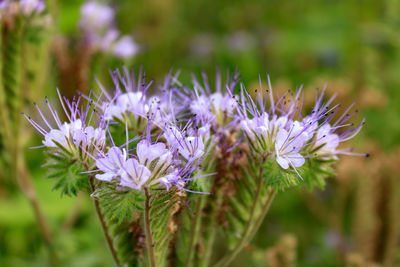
(171, 179)
(75, 135)
(134, 174)
(125, 47)
(111, 164)
(214, 108)
(148, 152)
(98, 25)
(287, 149)
(134, 102)
(191, 147)
(129, 101)
(167, 162)
(96, 16)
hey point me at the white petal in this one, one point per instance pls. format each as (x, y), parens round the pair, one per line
(107, 177)
(281, 139)
(115, 156)
(104, 165)
(146, 151)
(282, 162)
(296, 159)
(57, 136)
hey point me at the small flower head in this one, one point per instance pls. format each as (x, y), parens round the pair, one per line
(77, 137)
(214, 108)
(125, 47)
(96, 17)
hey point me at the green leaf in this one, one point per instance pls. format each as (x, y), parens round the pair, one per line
(67, 174)
(278, 178)
(119, 204)
(315, 172)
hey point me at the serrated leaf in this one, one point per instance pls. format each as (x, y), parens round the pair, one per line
(67, 173)
(278, 178)
(119, 204)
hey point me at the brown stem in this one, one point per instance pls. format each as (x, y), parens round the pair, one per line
(103, 224)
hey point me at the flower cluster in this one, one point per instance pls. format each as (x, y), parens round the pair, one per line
(215, 108)
(76, 137)
(97, 22)
(167, 163)
(282, 132)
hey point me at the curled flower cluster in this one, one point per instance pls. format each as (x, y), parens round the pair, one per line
(77, 136)
(216, 109)
(97, 22)
(281, 131)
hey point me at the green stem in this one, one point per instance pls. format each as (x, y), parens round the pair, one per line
(226, 260)
(195, 230)
(149, 236)
(264, 212)
(210, 230)
(103, 224)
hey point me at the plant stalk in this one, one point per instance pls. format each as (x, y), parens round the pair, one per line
(195, 230)
(264, 212)
(210, 232)
(103, 224)
(149, 237)
(226, 260)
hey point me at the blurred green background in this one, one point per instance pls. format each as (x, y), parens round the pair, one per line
(352, 46)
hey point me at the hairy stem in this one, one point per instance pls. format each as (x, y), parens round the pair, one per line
(210, 230)
(226, 260)
(195, 230)
(103, 224)
(149, 236)
(264, 212)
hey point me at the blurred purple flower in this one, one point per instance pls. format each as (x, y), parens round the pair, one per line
(125, 47)
(96, 17)
(98, 23)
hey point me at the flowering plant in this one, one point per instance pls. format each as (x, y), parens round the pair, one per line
(172, 172)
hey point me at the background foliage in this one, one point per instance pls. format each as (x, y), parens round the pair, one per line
(353, 46)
